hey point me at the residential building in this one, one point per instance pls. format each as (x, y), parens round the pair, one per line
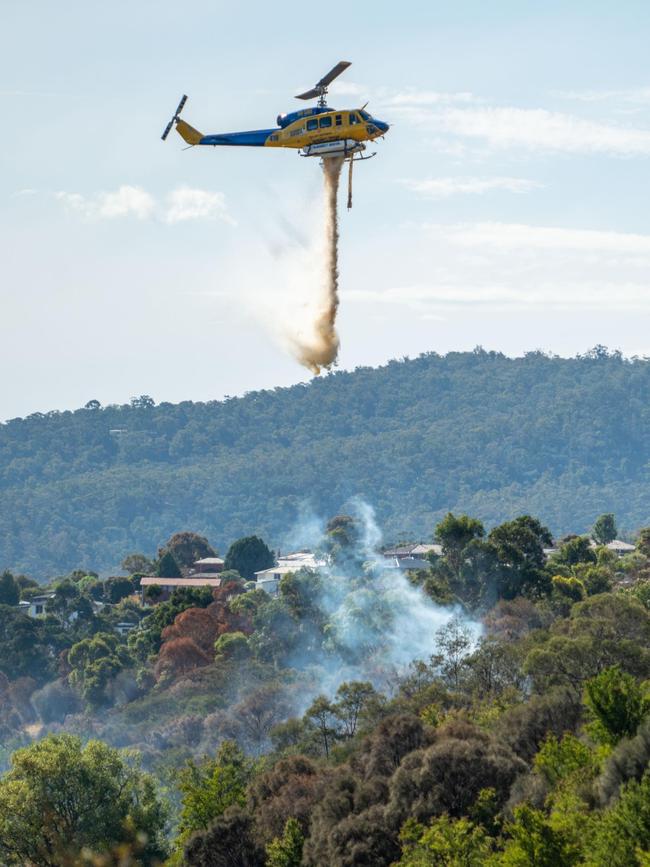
(37, 605)
(269, 579)
(206, 566)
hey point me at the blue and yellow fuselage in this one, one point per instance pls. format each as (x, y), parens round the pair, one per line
(300, 129)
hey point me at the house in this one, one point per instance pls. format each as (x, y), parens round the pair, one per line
(168, 585)
(620, 548)
(269, 579)
(419, 551)
(408, 563)
(206, 566)
(36, 606)
(125, 627)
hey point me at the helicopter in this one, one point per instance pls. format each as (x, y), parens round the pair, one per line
(319, 131)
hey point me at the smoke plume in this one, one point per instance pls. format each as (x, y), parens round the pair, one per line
(378, 621)
(317, 346)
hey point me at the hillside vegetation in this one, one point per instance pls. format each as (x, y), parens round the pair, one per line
(472, 432)
(491, 709)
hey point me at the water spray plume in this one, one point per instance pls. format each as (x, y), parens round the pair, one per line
(319, 349)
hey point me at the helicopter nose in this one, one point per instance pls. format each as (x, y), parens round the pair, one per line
(382, 126)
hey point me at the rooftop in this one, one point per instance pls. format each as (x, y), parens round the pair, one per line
(151, 580)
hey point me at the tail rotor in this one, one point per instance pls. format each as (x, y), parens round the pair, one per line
(174, 118)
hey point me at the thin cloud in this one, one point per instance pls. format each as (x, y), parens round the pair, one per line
(638, 95)
(180, 205)
(443, 188)
(186, 203)
(541, 130)
(547, 295)
(413, 97)
(126, 201)
(521, 236)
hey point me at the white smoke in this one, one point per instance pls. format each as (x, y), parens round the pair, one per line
(378, 622)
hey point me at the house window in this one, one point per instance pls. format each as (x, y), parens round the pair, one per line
(326, 121)
(312, 124)
(38, 609)
(339, 119)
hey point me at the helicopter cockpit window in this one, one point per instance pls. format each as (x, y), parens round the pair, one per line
(312, 124)
(326, 121)
(354, 118)
(365, 115)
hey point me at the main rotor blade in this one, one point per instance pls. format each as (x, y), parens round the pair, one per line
(334, 72)
(325, 81)
(309, 94)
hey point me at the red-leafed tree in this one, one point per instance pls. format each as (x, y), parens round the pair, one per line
(178, 656)
(198, 624)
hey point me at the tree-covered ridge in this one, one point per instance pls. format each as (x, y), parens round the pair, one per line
(477, 432)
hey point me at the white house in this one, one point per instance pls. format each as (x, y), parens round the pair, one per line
(269, 579)
(37, 605)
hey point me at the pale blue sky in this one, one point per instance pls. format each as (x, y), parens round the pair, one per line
(507, 206)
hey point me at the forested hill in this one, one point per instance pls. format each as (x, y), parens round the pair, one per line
(563, 439)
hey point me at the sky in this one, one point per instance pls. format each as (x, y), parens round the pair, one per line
(506, 207)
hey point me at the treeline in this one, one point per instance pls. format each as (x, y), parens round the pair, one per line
(475, 432)
(269, 739)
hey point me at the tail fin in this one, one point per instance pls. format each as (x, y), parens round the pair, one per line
(188, 133)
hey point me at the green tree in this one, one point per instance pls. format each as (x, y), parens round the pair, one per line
(622, 838)
(153, 592)
(23, 646)
(617, 704)
(455, 534)
(520, 549)
(604, 530)
(116, 589)
(208, 789)
(95, 662)
(535, 843)
(574, 550)
(353, 700)
(323, 718)
(570, 588)
(62, 802)
(453, 645)
(445, 842)
(187, 547)
(643, 542)
(9, 589)
(232, 645)
(248, 556)
(167, 566)
(286, 851)
(559, 759)
(343, 531)
(137, 564)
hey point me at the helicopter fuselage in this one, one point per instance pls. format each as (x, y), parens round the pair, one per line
(305, 129)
